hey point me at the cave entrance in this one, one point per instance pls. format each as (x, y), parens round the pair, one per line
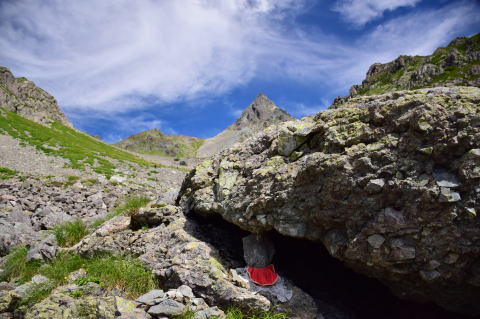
(314, 270)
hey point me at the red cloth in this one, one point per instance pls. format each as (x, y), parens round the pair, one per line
(263, 276)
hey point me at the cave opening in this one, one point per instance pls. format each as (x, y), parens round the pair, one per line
(310, 266)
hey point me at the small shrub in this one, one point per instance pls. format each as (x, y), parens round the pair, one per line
(77, 294)
(82, 281)
(70, 233)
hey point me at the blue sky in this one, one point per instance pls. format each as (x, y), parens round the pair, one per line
(118, 67)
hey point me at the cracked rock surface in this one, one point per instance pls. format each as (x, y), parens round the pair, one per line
(390, 184)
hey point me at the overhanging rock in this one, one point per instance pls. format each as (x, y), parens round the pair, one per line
(389, 184)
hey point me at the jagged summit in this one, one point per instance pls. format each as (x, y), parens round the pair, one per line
(262, 111)
(23, 97)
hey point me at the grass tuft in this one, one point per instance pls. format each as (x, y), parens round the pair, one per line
(70, 233)
(236, 313)
(7, 173)
(131, 205)
(121, 272)
(124, 273)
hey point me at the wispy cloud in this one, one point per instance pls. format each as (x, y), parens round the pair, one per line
(114, 56)
(359, 12)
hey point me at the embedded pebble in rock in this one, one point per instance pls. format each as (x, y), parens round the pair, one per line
(449, 196)
(375, 185)
(445, 179)
(376, 241)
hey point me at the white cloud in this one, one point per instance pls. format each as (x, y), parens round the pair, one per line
(114, 56)
(104, 54)
(359, 12)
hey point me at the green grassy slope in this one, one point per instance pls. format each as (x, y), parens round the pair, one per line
(155, 142)
(58, 140)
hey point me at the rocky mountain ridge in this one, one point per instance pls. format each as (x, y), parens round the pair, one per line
(258, 115)
(261, 113)
(23, 97)
(454, 65)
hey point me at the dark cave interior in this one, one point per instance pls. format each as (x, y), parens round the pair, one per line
(326, 279)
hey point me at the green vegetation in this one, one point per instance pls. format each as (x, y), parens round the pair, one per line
(82, 281)
(129, 206)
(6, 173)
(237, 313)
(403, 79)
(90, 181)
(15, 266)
(122, 272)
(70, 233)
(80, 149)
(154, 142)
(77, 294)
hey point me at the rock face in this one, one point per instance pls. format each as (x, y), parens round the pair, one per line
(390, 184)
(257, 116)
(456, 64)
(23, 97)
(155, 142)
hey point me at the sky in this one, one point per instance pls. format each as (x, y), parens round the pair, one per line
(119, 67)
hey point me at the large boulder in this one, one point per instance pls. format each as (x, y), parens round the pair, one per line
(390, 184)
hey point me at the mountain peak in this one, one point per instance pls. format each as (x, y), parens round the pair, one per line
(262, 111)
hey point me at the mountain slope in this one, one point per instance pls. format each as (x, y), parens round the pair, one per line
(59, 140)
(156, 143)
(261, 113)
(23, 97)
(456, 64)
